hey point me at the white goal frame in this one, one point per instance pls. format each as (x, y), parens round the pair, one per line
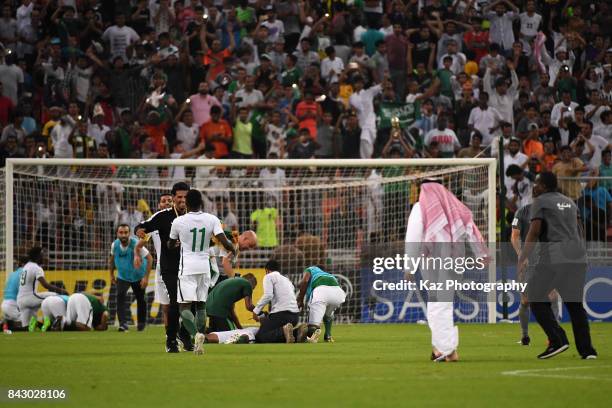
(491, 164)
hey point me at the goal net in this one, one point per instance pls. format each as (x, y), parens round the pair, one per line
(334, 213)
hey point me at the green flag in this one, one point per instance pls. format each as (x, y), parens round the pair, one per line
(405, 112)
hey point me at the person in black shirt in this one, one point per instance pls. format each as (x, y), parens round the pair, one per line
(423, 41)
(304, 147)
(161, 222)
(350, 134)
(561, 265)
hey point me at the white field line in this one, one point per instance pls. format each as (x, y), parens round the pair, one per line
(550, 373)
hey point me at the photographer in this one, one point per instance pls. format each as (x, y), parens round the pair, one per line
(563, 109)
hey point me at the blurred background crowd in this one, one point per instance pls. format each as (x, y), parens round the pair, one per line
(528, 82)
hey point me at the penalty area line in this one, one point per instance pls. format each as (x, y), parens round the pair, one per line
(551, 373)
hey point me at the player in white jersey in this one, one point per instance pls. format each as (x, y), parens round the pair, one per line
(194, 231)
(238, 336)
(29, 298)
(161, 293)
(246, 240)
(54, 310)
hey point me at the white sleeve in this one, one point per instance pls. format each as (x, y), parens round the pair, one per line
(555, 115)
(106, 35)
(281, 28)
(112, 252)
(471, 118)
(174, 229)
(427, 138)
(134, 35)
(268, 287)
(39, 273)
(325, 68)
(217, 229)
(414, 232)
(374, 90)
(144, 252)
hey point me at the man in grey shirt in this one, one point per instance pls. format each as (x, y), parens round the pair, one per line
(520, 227)
(561, 265)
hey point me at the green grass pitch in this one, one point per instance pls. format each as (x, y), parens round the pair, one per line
(368, 366)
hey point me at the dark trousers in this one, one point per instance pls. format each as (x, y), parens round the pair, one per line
(171, 282)
(141, 302)
(568, 279)
(271, 329)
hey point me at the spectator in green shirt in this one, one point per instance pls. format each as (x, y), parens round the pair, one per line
(243, 136)
(266, 222)
(444, 75)
(370, 38)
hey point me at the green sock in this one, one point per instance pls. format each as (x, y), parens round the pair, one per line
(188, 321)
(328, 324)
(200, 318)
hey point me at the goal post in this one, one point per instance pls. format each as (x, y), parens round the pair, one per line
(71, 206)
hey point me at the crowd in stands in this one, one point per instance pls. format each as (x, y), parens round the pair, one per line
(527, 81)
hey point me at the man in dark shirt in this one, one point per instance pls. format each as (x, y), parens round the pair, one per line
(161, 222)
(561, 265)
(304, 147)
(350, 134)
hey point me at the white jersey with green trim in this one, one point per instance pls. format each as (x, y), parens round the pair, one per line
(194, 230)
(28, 281)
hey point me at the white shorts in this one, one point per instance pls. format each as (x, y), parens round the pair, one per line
(225, 336)
(193, 288)
(161, 293)
(53, 306)
(10, 310)
(79, 310)
(29, 305)
(324, 301)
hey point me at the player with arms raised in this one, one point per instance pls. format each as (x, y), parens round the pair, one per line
(194, 231)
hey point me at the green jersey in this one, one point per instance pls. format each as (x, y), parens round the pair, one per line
(97, 309)
(222, 298)
(266, 226)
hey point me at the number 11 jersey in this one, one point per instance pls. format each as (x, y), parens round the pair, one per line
(194, 231)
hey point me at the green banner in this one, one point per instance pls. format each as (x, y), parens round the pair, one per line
(405, 112)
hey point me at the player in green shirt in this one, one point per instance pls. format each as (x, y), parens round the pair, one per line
(323, 296)
(221, 300)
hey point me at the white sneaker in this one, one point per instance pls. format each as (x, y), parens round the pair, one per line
(198, 347)
(315, 337)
